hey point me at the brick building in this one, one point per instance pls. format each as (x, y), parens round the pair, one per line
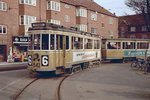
(17, 16)
(133, 26)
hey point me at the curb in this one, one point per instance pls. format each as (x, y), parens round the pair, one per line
(9, 67)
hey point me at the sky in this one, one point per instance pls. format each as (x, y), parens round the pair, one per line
(115, 6)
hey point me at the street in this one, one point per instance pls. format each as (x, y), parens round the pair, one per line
(110, 81)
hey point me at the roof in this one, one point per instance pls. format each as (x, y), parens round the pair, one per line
(137, 19)
(89, 4)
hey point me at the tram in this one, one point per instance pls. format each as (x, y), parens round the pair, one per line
(125, 49)
(57, 49)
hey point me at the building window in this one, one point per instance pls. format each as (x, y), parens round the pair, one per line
(67, 18)
(82, 27)
(102, 15)
(67, 6)
(52, 5)
(111, 33)
(28, 2)
(144, 36)
(93, 30)
(3, 29)
(57, 22)
(94, 17)
(3, 6)
(132, 29)
(133, 37)
(111, 21)
(81, 12)
(144, 28)
(122, 32)
(27, 20)
(103, 25)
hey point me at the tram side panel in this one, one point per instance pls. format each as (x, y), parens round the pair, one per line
(125, 49)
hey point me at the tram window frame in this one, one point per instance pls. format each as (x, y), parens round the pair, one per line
(140, 45)
(96, 44)
(46, 47)
(111, 45)
(52, 46)
(38, 45)
(31, 42)
(88, 44)
(67, 42)
(61, 42)
(126, 45)
(77, 43)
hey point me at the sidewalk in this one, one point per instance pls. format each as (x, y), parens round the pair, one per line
(4, 66)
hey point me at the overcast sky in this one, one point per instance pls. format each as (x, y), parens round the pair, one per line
(115, 6)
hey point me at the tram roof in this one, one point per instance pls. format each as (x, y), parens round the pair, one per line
(128, 39)
(49, 26)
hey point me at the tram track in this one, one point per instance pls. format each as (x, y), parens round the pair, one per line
(60, 80)
(17, 96)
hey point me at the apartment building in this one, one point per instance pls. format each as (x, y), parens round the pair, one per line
(17, 16)
(86, 15)
(133, 26)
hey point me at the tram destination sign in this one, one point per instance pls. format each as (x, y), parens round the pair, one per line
(38, 24)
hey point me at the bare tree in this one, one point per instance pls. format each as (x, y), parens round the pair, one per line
(141, 7)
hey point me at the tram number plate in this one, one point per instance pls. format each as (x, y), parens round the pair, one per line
(45, 60)
(29, 60)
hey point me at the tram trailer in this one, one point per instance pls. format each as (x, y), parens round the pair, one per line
(124, 49)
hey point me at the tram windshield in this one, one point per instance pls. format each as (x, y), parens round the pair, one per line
(47, 42)
(39, 42)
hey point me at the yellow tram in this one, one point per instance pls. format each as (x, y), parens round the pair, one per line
(125, 49)
(59, 49)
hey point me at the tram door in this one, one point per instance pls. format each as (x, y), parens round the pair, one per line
(61, 50)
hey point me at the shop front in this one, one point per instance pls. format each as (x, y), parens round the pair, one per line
(20, 46)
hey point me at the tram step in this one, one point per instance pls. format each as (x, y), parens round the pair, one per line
(59, 70)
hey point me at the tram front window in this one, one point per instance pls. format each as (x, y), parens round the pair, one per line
(52, 41)
(45, 41)
(37, 41)
(31, 42)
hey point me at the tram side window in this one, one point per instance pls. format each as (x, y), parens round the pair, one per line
(31, 42)
(67, 42)
(37, 42)
(96, 44)
(113, 45)
(45, 41)
(77, 43)
(129, 45)
(88, 44)
(142, 45)
(52, 41)
(59, 42)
